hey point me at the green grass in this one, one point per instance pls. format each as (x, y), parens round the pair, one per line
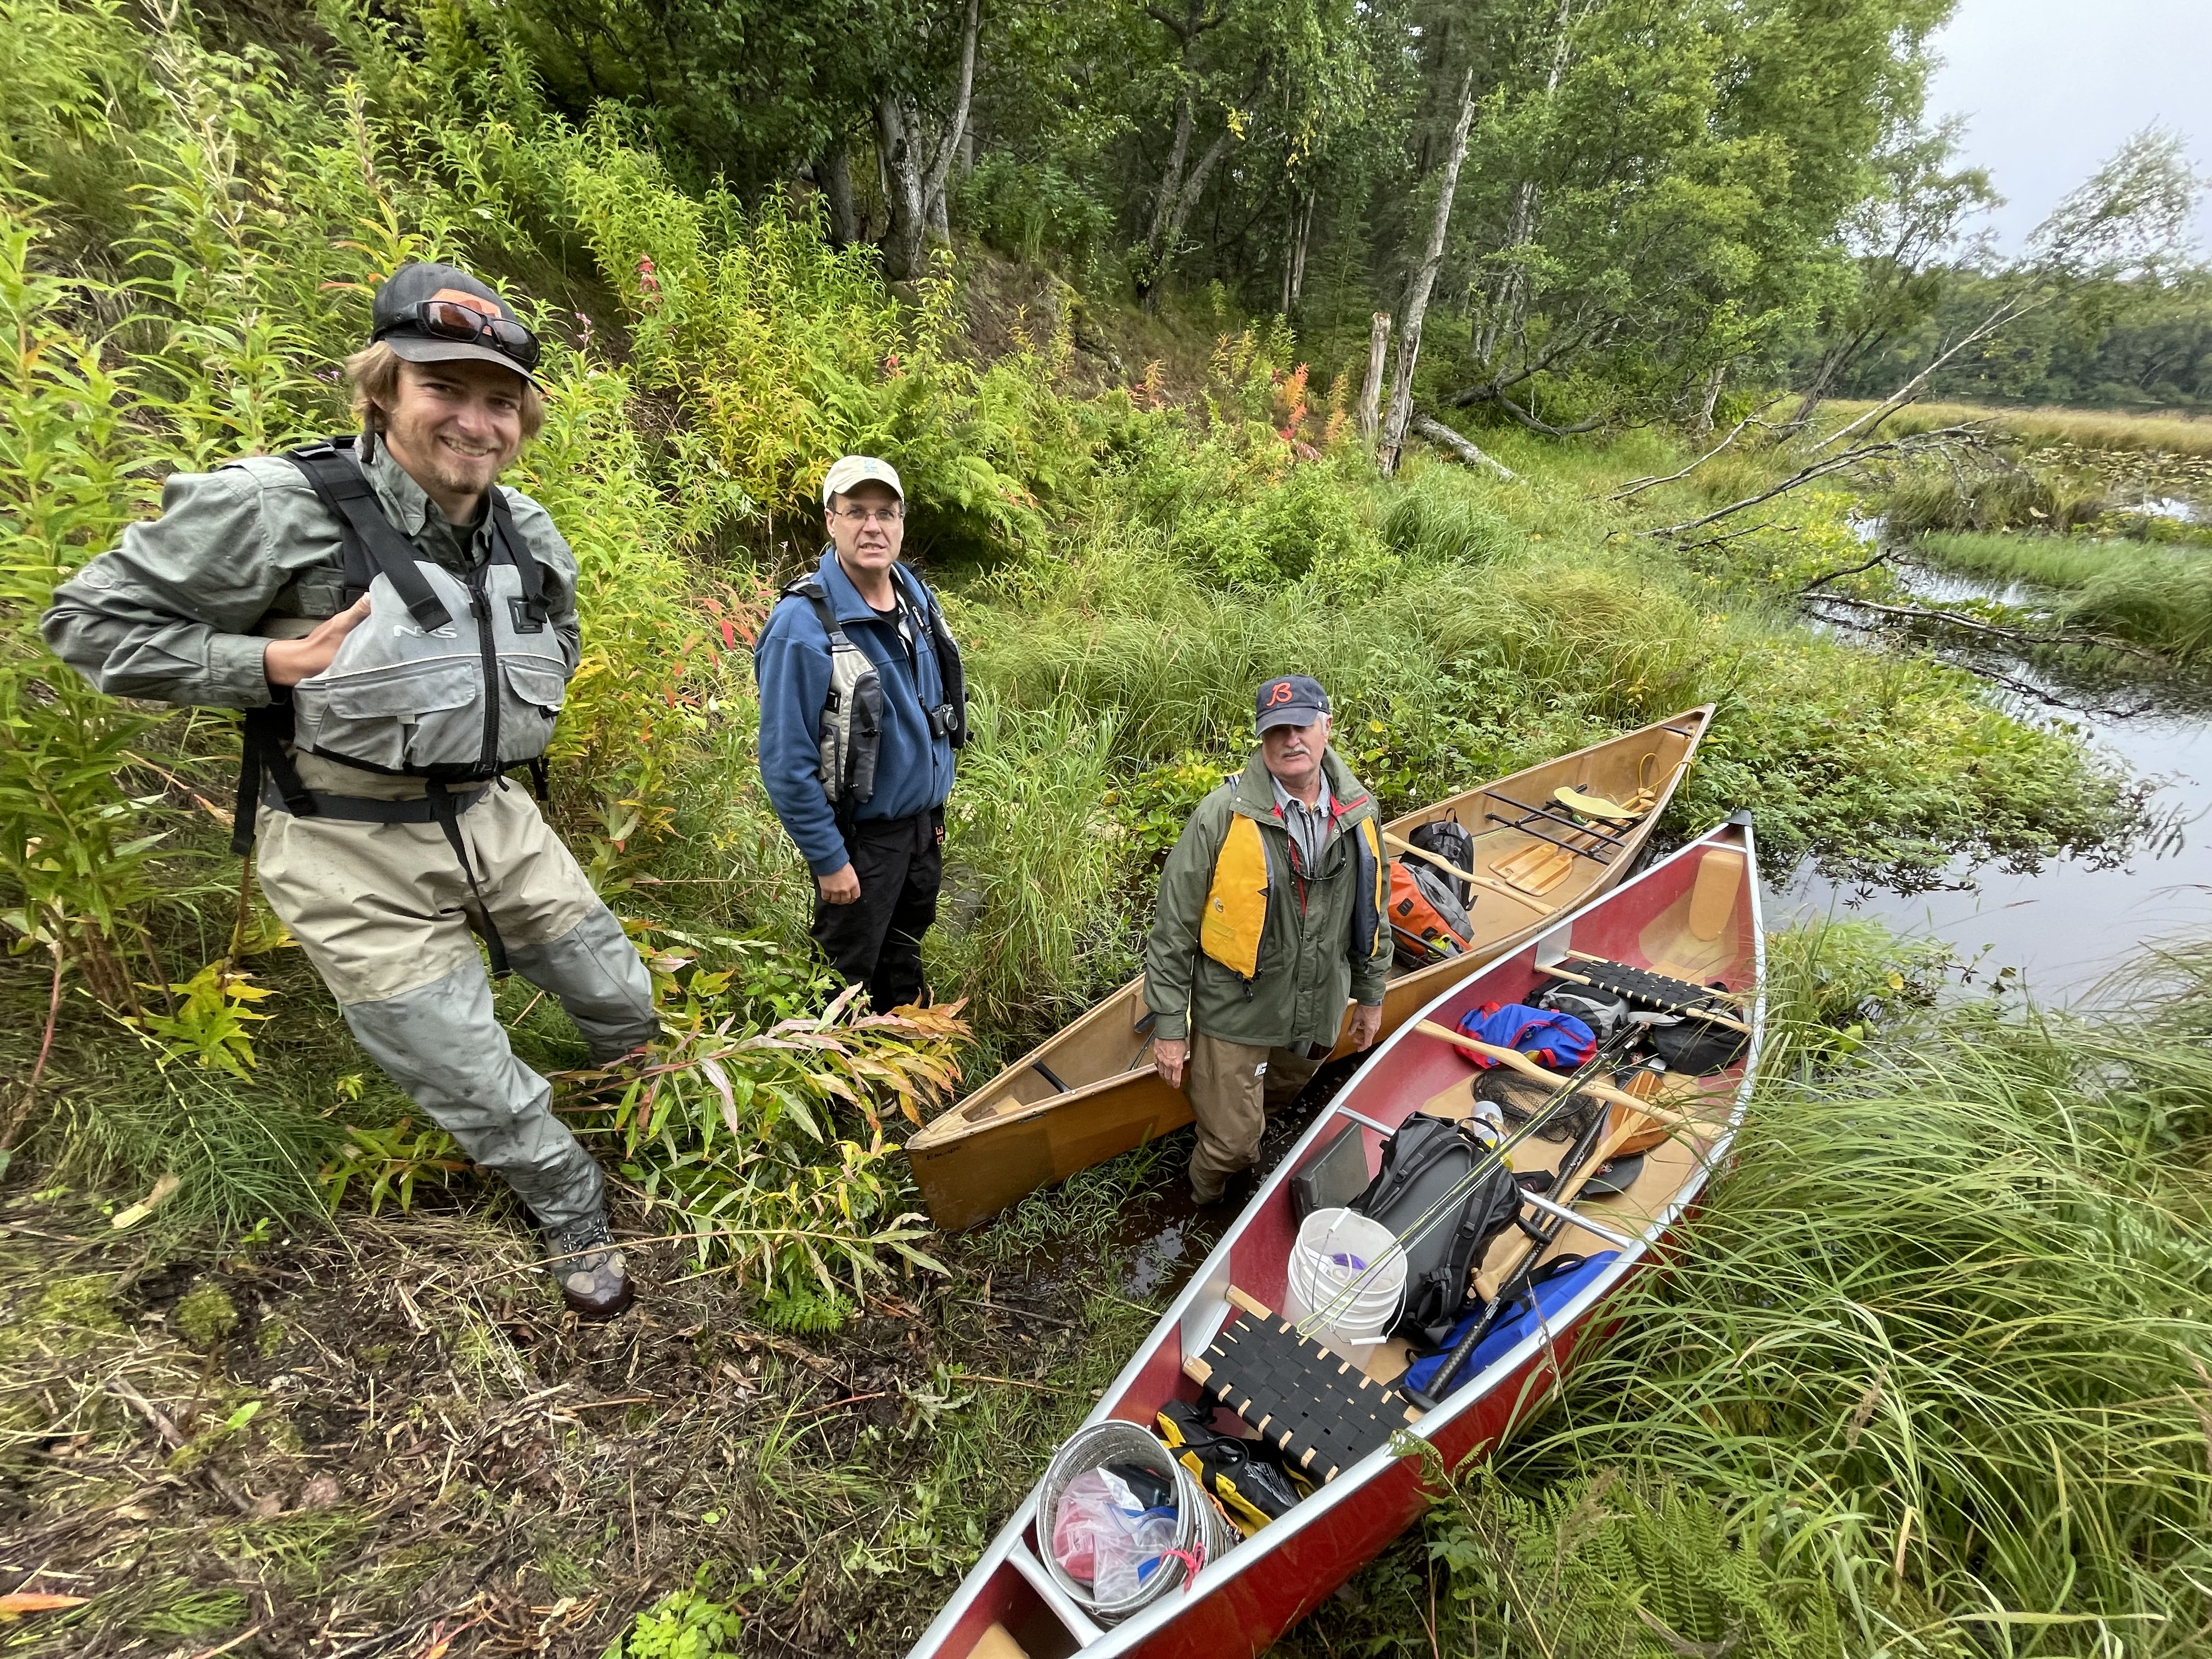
(1941, 1335)
(2159, 597)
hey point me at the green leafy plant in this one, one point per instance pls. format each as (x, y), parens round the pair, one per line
(390, 1161)
(213, 1023)
(686, 1624)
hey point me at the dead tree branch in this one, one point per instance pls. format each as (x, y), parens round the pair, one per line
(1882, 557)
(2017, 637)
(1820, 469)
(1637, 486)
(1438, 433)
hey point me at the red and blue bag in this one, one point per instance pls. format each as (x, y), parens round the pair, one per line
(1558, 1040)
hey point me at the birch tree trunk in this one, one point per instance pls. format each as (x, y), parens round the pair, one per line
(1424, 282)
(913, 185)
(1508, 308)
(934, 211)
(1702, 427)
(836, 172)
(899, 145)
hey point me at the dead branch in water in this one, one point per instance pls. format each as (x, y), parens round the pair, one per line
(2019, 636)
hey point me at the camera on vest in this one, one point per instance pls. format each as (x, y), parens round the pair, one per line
(940, 721)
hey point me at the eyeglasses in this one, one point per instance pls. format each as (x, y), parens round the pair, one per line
(885, 516)
(448, 319)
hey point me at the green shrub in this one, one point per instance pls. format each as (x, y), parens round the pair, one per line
(1028, 208)
(685, 1623)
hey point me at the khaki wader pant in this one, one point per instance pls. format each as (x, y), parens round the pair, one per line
(1234, 1086)
(381, 910)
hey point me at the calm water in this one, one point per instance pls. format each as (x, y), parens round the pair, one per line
(2067, 927)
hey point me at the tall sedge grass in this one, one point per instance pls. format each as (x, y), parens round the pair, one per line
(2155, 596)
(1942, 1334)
(1029, 933)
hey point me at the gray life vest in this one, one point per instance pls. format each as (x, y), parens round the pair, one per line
(851, 731)
(452, 679)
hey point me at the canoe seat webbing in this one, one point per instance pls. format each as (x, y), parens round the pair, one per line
(1639, 985)
(1325, 1413)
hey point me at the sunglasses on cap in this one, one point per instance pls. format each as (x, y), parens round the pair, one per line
(448, 319)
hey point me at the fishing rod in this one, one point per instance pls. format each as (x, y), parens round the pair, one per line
(1427, 1222)
(1545, 1234)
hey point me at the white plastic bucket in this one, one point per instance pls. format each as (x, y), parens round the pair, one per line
(1346, 1305)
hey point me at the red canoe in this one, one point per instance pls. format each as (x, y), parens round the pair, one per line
(1693, 916)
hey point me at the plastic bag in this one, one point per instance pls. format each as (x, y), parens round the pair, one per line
(1104, 1537)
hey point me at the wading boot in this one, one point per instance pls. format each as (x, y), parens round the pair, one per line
(593, 1279)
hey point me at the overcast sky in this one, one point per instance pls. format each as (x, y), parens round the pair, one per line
(2049, 88)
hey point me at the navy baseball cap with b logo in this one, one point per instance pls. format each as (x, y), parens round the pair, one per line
(1289, 699)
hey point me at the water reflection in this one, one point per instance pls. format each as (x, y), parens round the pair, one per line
(2068, 925)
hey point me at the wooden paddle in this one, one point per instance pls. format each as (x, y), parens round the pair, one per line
(1451, 869)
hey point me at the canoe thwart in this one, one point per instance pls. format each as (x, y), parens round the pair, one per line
(1451, 869)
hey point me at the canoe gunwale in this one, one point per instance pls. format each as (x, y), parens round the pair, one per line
(1204, 1298)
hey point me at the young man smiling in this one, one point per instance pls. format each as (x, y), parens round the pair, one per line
(1271, 914)
(862, 703)
(379, 727)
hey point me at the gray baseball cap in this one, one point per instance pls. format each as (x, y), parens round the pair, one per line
(436, 314)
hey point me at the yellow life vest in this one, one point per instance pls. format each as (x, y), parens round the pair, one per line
(1235, 915)
(1237, 905)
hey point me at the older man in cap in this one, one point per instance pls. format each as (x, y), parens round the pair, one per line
(399, 629)
(863, 701)
(1272, 913)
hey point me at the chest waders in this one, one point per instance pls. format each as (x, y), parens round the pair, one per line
(851, 732)
(414, 690)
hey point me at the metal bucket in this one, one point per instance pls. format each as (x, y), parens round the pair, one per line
(1200, 1527)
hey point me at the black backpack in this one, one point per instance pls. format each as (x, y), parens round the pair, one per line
(1423, 1161)
(1449, 840)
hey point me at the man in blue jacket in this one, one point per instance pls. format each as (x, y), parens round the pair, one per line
(862, 703)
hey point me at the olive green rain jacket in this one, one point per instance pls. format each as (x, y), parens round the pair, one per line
(1324, 938)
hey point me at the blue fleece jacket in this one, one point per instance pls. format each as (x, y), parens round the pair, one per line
(914, 771)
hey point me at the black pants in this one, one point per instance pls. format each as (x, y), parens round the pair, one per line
(876, 940)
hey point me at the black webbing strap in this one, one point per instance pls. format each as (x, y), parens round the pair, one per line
(504, 534)
(262, 750)
(1659, 991)
(1323, 1412)
(343, 487)
(446, 808)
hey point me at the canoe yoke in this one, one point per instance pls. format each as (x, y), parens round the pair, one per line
(1324, 1413)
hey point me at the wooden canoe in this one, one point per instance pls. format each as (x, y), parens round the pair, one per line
(1695, 915)
(1090, 1093)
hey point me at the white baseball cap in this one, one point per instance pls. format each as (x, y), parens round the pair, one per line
(852, 470)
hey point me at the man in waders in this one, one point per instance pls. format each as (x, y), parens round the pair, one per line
(400, 631)
(862, 702)
(1271, 915)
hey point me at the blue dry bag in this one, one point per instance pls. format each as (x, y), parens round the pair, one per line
(1558, 1040)
(1567, 1279)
